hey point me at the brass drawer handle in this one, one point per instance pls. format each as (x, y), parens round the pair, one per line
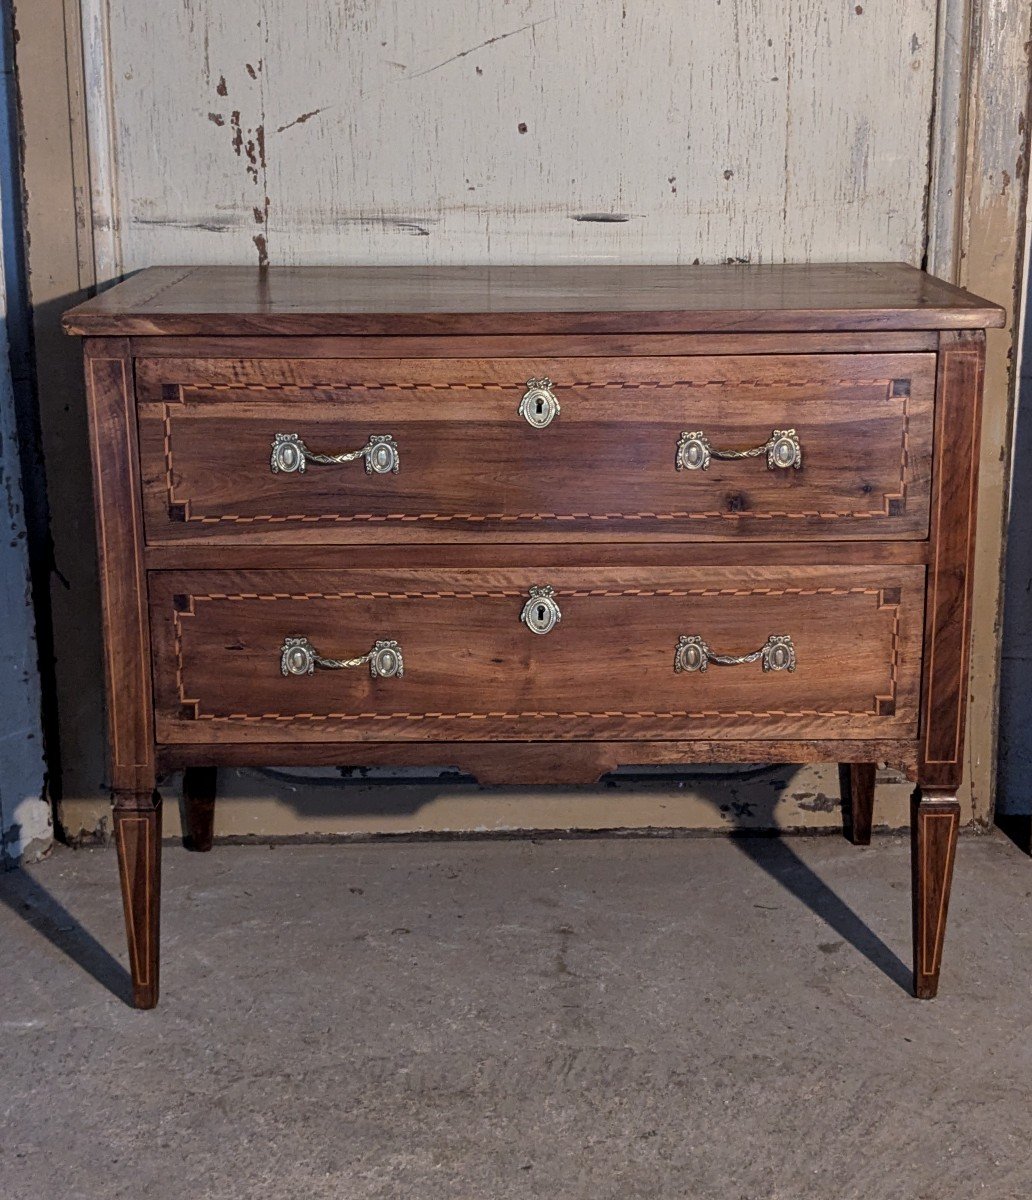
(782, 449)
(693, 654)
(541, 613)
(539, 407)
(290, 454)
(299, 657)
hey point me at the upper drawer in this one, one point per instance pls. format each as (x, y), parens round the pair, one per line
(775, 447)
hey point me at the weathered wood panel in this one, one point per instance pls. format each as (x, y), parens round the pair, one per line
(995, 230)
(519, 131)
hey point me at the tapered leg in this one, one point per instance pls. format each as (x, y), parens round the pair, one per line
(934, 820)
(199, 785)
(138, 838)
(860, 781)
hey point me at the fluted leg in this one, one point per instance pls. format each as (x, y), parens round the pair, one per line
(199, 784)
(934, 821)
(138, 838)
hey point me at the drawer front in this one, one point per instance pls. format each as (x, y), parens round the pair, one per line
(765, 447)
(448, 655)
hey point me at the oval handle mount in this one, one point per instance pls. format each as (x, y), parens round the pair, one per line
(541, 613)
(539, 407)
(782, 448)
(693, 654)
(299, 657)
(290, 455)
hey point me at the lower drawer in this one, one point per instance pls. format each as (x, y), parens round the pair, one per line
(445, 655)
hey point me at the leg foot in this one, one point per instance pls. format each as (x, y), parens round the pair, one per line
(934, 821)
(859, 779)
(138, 838)
(199, 806)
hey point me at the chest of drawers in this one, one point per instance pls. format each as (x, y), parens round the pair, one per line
(535, 523)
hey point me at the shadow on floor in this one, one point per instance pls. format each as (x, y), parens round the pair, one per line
(770, 853)
(746, 799)
(20, 892)
(778, 860)
(774, 856)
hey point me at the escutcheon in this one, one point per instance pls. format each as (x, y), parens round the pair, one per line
(385, 661)
(539, 407)
(541, 613)
(381, 454)
(288, 454)
(784, 450)
(297, 656)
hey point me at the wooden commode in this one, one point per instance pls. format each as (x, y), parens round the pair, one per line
(534, 523)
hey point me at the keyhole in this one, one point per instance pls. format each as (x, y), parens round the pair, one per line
(540, 406)
(540, 614)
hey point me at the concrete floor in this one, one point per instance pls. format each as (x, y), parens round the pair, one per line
(561, 1019)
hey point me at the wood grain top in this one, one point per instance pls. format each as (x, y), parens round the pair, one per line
(331, 301)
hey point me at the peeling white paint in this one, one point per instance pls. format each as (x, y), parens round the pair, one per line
(511, 130)
(995, 226)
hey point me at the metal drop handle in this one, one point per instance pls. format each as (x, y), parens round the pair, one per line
(290, 454)
(299, 657)
(782, 449)
(693, 654)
